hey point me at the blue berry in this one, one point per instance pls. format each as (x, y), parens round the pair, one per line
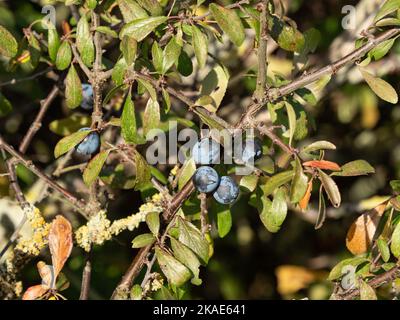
(206, 151)
(89, 145)
(87, 96)
(251, 151)
(227, 192)
(206, 179)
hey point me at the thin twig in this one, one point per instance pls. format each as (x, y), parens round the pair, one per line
(86, 275)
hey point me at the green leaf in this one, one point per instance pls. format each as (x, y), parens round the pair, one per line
(143, 240)
(381, 50)
(149, 87)
(187, 257)
(395, 185)
(191, 237)
(171, 55)
(67, 126)
(136, 292)
(318, 145)
(224, 221)
(287, 37)
(292, 121)
(84, 41)
(299, 183)
(185, 65)
(151, 116)
(8, 44)
(167, 100)
(128, 122)
(53, 41)
(275, 214)
(366, 291)
(337, 271)
(153, 6)
(94, 167)
(355, 168)
(69, 142)
(5, 106)
(186, 172)
(153, 222)
(141, 28)
(107, 30)
(383, 249)
(276, 181)
(395, 245)
(200, 46)
(249, 183)
(73, 88)
(229, 22)
(176, 273)
(128, 47)
(64, 56)
(214, 86)
(321, 211)
(131, 10)
(157, 56)
(143, 173)
(381, 88)
(388, 7)
(331, 188)
(119, 71)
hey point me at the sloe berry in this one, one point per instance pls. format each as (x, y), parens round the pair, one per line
(206, 151)
(206, 179)
(251, 151)
(227, 192)
(90, 144)
(87, 96)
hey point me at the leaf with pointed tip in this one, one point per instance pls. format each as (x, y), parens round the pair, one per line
(319, 145)
(200, 46)
(128, 47)
(388, 7)
(321, 211)
(176, 273)
(151, 116)
(331, 188)
(93, 169)
(73, 88)
(355, 168)
(299, 183)
(171, 55)
(53, 41)
(128, 122)
(191, 237)
(186, 173)
(366, 291)
(322, 164)
(395, 245)
(383, 249)
(64, 56)
(131, 10)
(68, 142)
(141, 28)
(381, 88)
(8, 44)
(143, 240)
(187, 257)
(143, 173)
(153, 222)
(276, 181)
(292, 121)
(153, 6)
(229, 22)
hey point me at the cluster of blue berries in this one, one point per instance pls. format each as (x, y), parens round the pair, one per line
(206, 152)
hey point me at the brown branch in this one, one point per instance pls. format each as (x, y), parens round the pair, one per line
(375, 282)
(274, 94)
(262, 52)
(86, 274)
(32, 77)
(79, 204)
(37, 123)
(205, 227)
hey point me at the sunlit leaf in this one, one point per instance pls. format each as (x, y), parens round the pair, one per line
(92, 170)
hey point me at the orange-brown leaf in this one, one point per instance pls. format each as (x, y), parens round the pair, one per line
(322, 164)
(60, 242)
(306, 199)
(362, 231)
(34, 292)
